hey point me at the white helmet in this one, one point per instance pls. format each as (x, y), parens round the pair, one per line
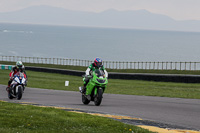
(19, 64)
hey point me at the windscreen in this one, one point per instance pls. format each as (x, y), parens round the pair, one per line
(99, 73)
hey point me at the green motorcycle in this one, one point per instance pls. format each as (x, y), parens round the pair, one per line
(95, 87)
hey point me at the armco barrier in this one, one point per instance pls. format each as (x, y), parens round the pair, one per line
(131, 76)
(157, 77)
(53, 70)
(5, 67)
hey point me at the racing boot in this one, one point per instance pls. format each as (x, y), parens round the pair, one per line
(8, 88)
(83, 89)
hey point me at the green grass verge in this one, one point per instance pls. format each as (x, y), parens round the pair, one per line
(109, 70)
(16, 118)
(115, 86)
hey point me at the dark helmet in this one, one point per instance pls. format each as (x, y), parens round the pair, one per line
(97, 62)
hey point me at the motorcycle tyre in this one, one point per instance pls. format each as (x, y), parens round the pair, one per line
(19, 93)
(85, 100)
(98, 97)
(9, 93)
(10, 96)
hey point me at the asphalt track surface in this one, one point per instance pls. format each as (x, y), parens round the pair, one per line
(156, 111)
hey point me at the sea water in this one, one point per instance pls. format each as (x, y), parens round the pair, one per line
(107, 43)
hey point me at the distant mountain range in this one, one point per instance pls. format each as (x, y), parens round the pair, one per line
(138, 19)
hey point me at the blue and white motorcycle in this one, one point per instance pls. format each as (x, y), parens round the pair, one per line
(17, 86)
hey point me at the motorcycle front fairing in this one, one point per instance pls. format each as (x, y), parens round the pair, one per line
(98, 80)
(18, 80)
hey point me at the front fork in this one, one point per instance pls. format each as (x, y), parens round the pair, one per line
(14, 89)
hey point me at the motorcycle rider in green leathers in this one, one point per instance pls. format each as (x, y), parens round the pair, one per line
(96, 65)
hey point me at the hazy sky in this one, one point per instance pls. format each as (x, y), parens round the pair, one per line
(177, 9)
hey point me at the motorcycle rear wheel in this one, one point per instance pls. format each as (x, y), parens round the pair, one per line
(10, 96)
(9, 93)
(85, 100)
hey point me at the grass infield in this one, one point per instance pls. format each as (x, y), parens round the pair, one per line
(16, 118)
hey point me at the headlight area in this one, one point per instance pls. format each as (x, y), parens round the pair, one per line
(101, 80)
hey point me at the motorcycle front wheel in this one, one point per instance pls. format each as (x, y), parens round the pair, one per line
(19, 93)
(98, 97)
